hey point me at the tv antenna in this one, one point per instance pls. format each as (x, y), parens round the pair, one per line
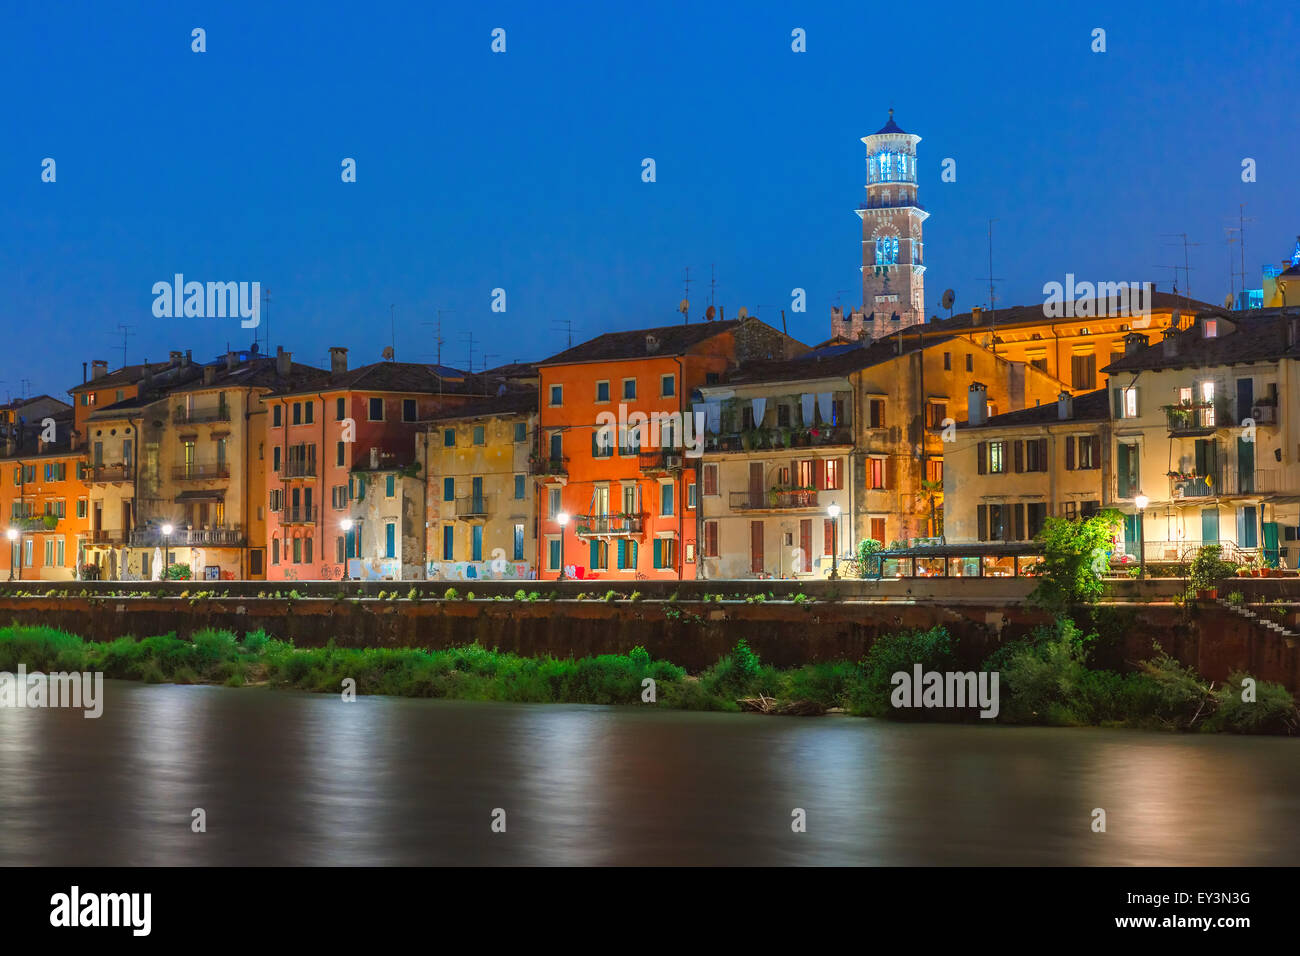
(567, 326)
(126, 331)
(685, 306)
(266, 318)
(470, 366)
(993, 301)
(1187, 267)
(1240, 230)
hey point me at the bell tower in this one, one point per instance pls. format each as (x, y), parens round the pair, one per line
(893, 266)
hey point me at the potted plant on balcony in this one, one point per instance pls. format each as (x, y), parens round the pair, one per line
(786, 437)
(1208, 570)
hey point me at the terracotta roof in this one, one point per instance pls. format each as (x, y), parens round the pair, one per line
(518, 402)
(613, 346)
(1260, 334)
(388, 377)
(1088, 407)
(260, 373)
(1033, 314)
(831, 361)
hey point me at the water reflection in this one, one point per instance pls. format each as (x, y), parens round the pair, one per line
(290, 778)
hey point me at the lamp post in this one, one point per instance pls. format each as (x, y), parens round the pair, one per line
(563, 520)
(834, 512)
(167, 548)
(1142, 501)
(346, 525)
(12, 535)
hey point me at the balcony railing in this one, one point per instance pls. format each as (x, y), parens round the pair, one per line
(197, 416)
(34, 522)
(299, 515)
(108, 473)
(299, 468)
(612, 524)
(661, 462)
(188, 538)
(200, 471)
(103, 537)
(778, 439)
(772, 500)
(474, 506)
(1226, 483)
(1200, 418)
(542, 466)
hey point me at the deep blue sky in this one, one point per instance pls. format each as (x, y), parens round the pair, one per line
(478, 170)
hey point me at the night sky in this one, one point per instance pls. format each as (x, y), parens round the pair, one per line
(523, 170)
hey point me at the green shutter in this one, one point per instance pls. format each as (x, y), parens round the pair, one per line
(1121, 469)
(622, 553)
(634, 553)
(659, 552)
(1118, 400)
(591, 549)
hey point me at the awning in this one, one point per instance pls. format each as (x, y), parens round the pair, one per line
(214, 495)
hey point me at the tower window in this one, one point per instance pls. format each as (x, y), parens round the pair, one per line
(887, 250)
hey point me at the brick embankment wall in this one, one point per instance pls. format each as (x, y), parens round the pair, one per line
(690, 633)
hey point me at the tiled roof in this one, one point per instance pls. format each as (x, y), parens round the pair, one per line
(1259, 335)
(1033, 314)
(829, 362)
(1088, 407)
(518, 402)
(126, 375)
(388, 377)
(673, 340)
(260, 373)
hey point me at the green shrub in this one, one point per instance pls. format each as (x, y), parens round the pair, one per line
(610, 595)
(520, 595)
(1273, 711)
(932, 649)
(451, 594)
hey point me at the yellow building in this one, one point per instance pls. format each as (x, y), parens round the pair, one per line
(480, 500)
(1006, 475)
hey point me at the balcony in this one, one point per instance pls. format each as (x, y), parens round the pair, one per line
(778, 439)
(788, 500)
(616, 525)
(200, 471)
(34, 522)
(188, 538)
(299, 515)
(474, 506)
(111, 538)
(661, 462)
(299, 468)
(1195, 420)
(106, 473)
(542, 467)
(1227, 483)
(199, 416)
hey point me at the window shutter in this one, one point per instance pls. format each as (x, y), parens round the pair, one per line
(1095, 441)
(659, 553)
(1020, 522)
(634, 554)
(1117, 397)
(1069, 453)
(1137, 402)
(622, 553)
(1042, 455)
(982, 513)
(891, 473)
(1020, 456)
(594, 550)
(828, 536)
(819, 474)
(982, 457)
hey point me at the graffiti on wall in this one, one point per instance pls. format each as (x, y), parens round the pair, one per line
(374, 569)
(480, 570)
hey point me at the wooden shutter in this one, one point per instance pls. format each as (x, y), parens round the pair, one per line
(1019, 455)
(1042, 455)
(982, 513)
(805, 542)
(659, 553)
(1019, 513)
(1069, 453)
(982, 458)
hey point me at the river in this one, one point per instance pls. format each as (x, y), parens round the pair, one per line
(292, 778)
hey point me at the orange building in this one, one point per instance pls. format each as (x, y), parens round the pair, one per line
(631, 505)
(43, 499)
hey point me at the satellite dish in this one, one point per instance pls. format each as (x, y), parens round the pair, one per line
(684, 307)
(388, 353)
(743, 313)
(949, 297)
(709, 313)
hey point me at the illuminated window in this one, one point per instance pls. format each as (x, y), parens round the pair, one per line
(887, 250)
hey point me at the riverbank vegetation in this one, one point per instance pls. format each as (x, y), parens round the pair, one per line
(1045, 678)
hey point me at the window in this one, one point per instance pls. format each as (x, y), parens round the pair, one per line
(997, 457)
(947, 361)
(886, 250)
(82, 505)
(275, 458)
(1207, 398)
(449, 489)
(833, 479)
(1126, 470)
(276, 422)
(340, 549)
(339, 497)
(1035, 515)
(519, 487)
(602, 442)
(667, 386)
(690, 496)
(309, 413)
(449, 438)
(340, 408)
(710, 477)
(521, 432)
(629, 388)
(375, 411)
(710, 539)
(553, 505)
(1084, 370)
(876, 474)
(666, 498)
(1128, 402)
(970, 364)
(877, 410)
(599, 553)
(806, 473)
(519, 542)
(340, 454)
(934, 470)
(938, 413)
(408, 410)
(297, 413)
(297, 550)
(1211, 330)
(390, 540)
(480, 435)
(557, 395)
(602, 392)
(991, 522)
(275, 550)
(1035, 454)
(448, 538)
(665, 553)
(783, 416)
(1082, 452)
(390, 488)
(552, 552)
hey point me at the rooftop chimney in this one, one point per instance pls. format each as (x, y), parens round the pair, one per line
(209, 374)
(1171, 345)
(977, 315)
(977, 407)
(1065, 406)
(652, 344)
(98, 368)
(187, 358)
(232, 360)
(282, 361)
(338, 359)
(1134, 342)
(174, 357)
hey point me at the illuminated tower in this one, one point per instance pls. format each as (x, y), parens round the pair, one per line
(893, 270)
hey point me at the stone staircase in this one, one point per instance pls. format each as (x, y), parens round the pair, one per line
(1260, 620)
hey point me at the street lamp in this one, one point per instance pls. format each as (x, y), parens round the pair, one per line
(563, 520)
(834, 512)
(12, 535)
(346, 525)
(167, 548)
(1142, 501)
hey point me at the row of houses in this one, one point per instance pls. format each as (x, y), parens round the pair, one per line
(721, 449)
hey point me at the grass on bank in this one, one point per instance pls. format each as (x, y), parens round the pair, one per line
(1044, 678)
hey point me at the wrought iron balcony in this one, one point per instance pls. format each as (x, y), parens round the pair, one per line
(188, 538)
(299, 468)
(1200, 418)
(610, 524)
(773, 500)
(542, 466)
(662, 462)
(198, 416)
(299, 515)
(200, 471)
(103, 537)
(102, 473)
(474, 506)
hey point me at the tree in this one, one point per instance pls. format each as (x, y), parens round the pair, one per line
(1074, 555)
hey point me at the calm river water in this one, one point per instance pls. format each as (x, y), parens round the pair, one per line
(290, 778)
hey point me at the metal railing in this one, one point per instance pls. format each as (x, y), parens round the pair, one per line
(197, 416)
(187, 538)
(772, 500)
(200, 471)
(615, 524)
(548, 466)
(108, 472)
(1226, 483)
(299, 468)
(661, 461)
(473, 506)
(299, 515)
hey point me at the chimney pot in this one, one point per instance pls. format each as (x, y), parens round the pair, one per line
(977, 315)
(651, 344)
(977, 409)
(283, 361)
(209, 374)
(1134, 342)
(232, 360)
(1065, 406)
(338, 359)
(98, 368)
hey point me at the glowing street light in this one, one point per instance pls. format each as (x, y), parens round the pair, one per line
(1141, 501)
(12, 535)
(167, 547)
(834, 512)
(562, 519)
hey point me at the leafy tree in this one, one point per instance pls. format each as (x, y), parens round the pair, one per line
(1074, 555)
